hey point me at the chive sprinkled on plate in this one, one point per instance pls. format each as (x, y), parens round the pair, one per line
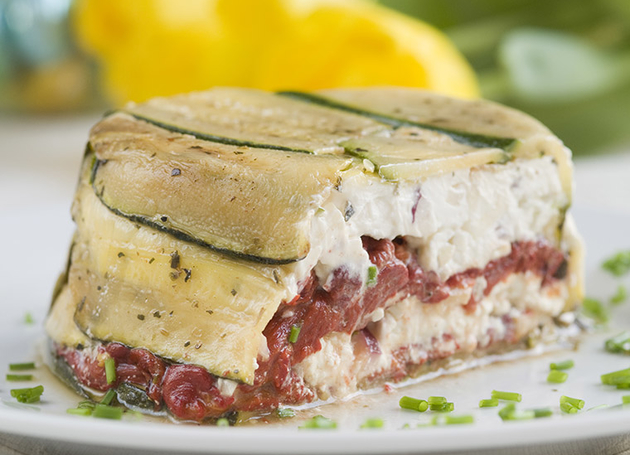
(28, 318)
(22, 366)
(618, 264)
(616, 377)
(110, 370)
(542, 412)
(223, 422)
(284, 413)
(108, 397)
(564, 365)
(374, 422)
(576, 402)
(594, 309)
(568, 408)
(508, 396)
(625, 399)
(619, 343)
(85, 412)
(557, 376)
(319, 422)
(89, 404)
(414, 404)
(446, 407)
(19, 377)
(489, 403)
(527, 414)
(453, 420)
(434, 401)
(620, 296)
(295, 333)
(103, 411)
(28, 395)
(507, 410)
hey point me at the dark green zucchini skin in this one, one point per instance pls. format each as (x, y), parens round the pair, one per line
(135, 398)
(212, 137)
(472, 139)
(63, 371)
(174, 232)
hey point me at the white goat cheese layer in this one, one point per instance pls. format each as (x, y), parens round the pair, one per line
(427, 331)
(455, 221)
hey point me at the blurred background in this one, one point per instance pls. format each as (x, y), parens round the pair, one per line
(566, 62)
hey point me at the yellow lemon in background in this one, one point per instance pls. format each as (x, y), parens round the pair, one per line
(161, 47)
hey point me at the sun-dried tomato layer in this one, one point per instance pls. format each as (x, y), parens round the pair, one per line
(190, 392)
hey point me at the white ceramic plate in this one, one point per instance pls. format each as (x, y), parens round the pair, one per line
(36, 239)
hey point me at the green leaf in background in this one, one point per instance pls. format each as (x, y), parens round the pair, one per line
(547, 66)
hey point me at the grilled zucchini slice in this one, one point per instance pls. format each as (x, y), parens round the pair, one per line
(248, 202)
(184, 302)
(254, 118)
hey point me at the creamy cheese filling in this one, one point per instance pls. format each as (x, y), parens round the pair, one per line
(433, 330)
(455, 221)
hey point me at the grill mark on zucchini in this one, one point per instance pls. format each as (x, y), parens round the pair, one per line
(472, 139)
(214, 138)
(180, 235)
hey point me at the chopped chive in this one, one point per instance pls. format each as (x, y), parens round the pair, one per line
(446, 407)
(542, 412)
(623, 381)
(608, 378)
(619, 264)
(413, 403)
(625, 399)
(19, 377)
(110, 370)
(489, 403)
(436, 401)
(89, 404)
(619, 343)
(103, 411)
(373, 423)
(564, 365)
(22, 366)
(372, 277)
(295, 333)
(507, 410)
(620, 296)
(595, 310)
(599, 406)
(453, 420)
(568, 408)
(284, 413)
(223, 422)
(319, 422)
(508, 396)
(28, 318)
(521, 415)
(28, 395)
(108, 397)
(573, 401)
(79, 411)
(557, 376)
(623, 386)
